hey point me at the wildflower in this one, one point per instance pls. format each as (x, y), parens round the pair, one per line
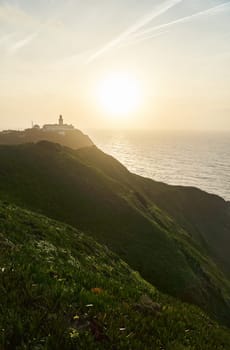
(89, 305)
(73, 333)
(97, 290)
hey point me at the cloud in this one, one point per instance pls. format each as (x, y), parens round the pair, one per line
(136, 41)
(14, 15)
(23, 42)
(146, 34)
(20, 22)
(25, 26)
(5, 38)
(29, 38)
(167, 5)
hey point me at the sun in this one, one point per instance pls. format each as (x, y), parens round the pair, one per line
(119, 94)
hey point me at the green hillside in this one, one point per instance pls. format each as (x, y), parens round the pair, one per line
(60, 289)
(170, 235)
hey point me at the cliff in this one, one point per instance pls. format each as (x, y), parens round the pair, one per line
(175, 237)
(71, 138)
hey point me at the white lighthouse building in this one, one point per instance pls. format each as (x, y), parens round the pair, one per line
(60, 127)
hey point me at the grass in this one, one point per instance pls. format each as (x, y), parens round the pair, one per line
(96, 194)
(62, 290)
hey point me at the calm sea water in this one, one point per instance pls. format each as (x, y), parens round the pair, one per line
(178, 158)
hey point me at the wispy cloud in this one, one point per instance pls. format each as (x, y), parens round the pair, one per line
(27, 26)
(14, 15)
(136, 40)
(22, 42)
(5, 38)
(150, 32)
(29, 38)
(167, 5)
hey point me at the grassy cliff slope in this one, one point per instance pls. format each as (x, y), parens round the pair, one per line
(95, 193)
(62, 290)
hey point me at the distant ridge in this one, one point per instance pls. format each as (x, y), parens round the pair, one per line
(64, 134)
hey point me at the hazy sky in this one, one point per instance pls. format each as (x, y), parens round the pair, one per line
(54, 53)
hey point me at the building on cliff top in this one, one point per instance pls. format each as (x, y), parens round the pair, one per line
(60, 127)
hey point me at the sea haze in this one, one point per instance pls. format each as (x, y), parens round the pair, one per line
(178, 158)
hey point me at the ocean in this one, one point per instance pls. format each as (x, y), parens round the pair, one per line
(200, 159)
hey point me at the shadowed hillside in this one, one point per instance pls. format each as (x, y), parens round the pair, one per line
(70, 138)
(146, 223)
(62, 290)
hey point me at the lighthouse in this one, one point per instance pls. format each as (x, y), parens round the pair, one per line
(60, 127)
(60, 121)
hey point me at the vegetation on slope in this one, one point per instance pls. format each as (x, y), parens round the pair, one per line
(95, 193)
(204, 216)
(62, 290)
(69, 138)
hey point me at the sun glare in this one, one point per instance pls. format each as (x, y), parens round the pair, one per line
(119, 95)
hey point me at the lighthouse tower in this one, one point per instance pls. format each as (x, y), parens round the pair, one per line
(60, 122)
